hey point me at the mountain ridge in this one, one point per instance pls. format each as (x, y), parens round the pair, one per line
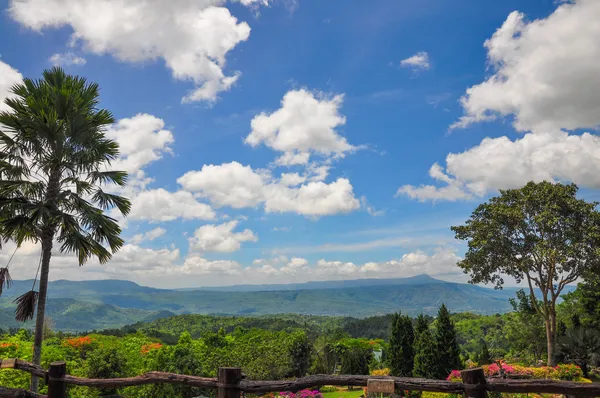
(87, 305)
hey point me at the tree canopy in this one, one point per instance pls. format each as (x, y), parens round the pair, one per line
(541, 234)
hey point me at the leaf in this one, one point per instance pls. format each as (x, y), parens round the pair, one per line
(26, 306)
(5, 279)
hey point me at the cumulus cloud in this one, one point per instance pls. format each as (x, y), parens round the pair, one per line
(142, 140)
(546, 72)
(193, 38)
(229, 184)
(160, 205)
(165, 267)
(305, 124)
(9, 76)
(499, 163)
(148, 235)
(547, 76)
(67, 59)
(417, 62)
(220, 238)
(238, 186)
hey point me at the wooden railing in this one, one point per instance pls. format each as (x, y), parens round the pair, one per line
(230, 383)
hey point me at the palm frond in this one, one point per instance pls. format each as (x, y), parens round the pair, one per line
(107, 201)
(26, 306)
(104, 177)
(5, 279)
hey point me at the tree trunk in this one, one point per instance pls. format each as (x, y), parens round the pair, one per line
(47, 237)
(550, 337)
(41, 307)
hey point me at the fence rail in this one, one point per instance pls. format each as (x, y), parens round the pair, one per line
(230, 383)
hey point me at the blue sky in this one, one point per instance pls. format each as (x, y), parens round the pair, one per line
(272, 141)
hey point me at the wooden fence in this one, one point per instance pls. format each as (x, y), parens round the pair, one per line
(230, 383)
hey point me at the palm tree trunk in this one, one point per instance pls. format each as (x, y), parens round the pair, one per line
(41, 308)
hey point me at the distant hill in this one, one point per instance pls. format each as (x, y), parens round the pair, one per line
(422, 279)
(101, 304)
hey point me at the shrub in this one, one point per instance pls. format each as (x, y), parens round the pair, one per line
(380, 372)
(568, 372)
(302, 394)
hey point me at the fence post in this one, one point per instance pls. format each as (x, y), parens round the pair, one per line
(474, 381)
(57, 388)
(228, 383)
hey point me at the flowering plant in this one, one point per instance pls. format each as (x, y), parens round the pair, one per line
(454, 376)
(302, 394)
(380, 372)
(149, 347)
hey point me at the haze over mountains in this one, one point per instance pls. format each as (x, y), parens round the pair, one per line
(87, 305)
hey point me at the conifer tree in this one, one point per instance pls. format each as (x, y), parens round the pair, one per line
(401, 356)
(421, 325)
(426, 357)
(448, 351)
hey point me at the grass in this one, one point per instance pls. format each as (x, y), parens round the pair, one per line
(344, 393)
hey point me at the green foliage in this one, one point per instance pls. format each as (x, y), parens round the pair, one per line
(426, 358)
(579, 346)
(421, 325)
(524, 327)
(401, 355)
(448, 352)
(106, 363)
(542, 234)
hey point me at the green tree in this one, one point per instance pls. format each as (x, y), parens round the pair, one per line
(107, 363)
(401, 355)
(54, 157)
(421, 325)
(483, 356)
(541, 234)
(300, 354)
(580, 345)
(525, 328)
(426, 358)
(448, 352)
(584, 302)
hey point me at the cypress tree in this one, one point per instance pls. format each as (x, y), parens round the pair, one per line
(425, 356)
(447, 347)
(401, 355)
(421, 325)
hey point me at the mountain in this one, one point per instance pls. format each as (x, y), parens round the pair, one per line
(113, 303)
(422, 279)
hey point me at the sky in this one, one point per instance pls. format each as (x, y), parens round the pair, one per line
(277, 141)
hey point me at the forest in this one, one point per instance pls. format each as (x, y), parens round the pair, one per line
(288, 346)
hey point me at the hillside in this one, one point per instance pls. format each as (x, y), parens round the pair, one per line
(112, 303)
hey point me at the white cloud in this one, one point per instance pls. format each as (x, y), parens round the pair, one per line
(8, 77)
(196, 265)
(148, 235)
(305, 124)
(67, 59)
(165, 268)
(229, 184)
(192, 37)
(220, 238)
(364, 203)
(142, 140)
(313, 199)
(291, 179)
(499, 163)
(546, 72)
(419, 61)
(238, 186)
(160, 205)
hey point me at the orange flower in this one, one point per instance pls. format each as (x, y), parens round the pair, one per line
(78, 342)
(149, 347)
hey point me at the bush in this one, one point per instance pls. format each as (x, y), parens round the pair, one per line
(569, 372)
(380, 372)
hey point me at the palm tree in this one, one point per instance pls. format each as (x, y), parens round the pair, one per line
(53, 161)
